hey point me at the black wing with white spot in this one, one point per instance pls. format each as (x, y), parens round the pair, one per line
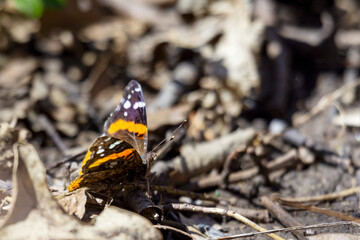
(128, 121)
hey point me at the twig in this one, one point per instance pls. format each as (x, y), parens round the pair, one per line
(65, 160)
(286, 159)
(237, 153)
(202, 157)
(213, 181)
(185, 75)
(321, 210)
(324, 102)
(313, 37)
(326, 197)
(284, 217)
(96, 72)
(173, 229)
(320, 225)
(218, 211)
(259, 215)
(50, 130)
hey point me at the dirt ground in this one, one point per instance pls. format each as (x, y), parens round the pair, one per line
(258, 104)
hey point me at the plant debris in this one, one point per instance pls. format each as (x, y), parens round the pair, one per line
(253, 118)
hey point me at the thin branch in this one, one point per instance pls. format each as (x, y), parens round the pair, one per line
(66, 159)
(284, 217)
(325, 197)
(324, 102)
(218, 211)
(173, 229)
(321, 211)
(53, 134)
(320, 225)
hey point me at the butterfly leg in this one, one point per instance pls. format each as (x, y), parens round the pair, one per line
(150, 178)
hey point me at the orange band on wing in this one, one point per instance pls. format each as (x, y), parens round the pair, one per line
(75, 184)
(84, 161)
(124, 154)
(138, 128)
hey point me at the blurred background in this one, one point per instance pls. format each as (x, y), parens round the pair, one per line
(284, 72)
(221, 64)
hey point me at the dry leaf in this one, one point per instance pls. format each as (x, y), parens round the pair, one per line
(242, 37)
(74, 204)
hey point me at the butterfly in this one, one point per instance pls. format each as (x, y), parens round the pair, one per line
(120, 153)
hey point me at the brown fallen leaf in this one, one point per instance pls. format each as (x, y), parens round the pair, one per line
(74, 204)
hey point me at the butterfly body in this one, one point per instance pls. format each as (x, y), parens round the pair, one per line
(120, 153)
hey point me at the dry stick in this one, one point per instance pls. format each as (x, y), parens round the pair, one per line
(326, 197)
(218, 211)
(320, 225)
(199, 158)
(213, 181)
(321, 210)
(50, 130)
(259, 215)
(66, 159)
(289, 158)
(173, 229)
(324, 102)
(284, 217)
(237, 153)
(97, 71)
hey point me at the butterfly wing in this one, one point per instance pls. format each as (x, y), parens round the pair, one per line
(108, 158)
(128, 121)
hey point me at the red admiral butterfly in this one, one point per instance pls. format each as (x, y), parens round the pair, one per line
(120, 153)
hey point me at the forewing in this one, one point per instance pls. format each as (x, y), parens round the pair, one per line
(128, 121)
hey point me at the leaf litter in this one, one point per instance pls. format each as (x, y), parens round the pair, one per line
(272, 108)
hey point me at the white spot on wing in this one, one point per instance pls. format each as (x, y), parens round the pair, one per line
(107, 139)
(100, 151)
(125, 114)
(103, 154)
(127, 104)
(128, 96)
(138, 89)
(114, 144)
(139, 104)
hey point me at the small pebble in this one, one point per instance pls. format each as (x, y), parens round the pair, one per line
(277, 126)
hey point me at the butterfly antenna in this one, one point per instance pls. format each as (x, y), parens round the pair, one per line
(171, 138)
